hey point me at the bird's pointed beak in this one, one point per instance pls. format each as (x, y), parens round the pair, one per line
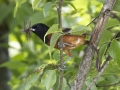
(32, 29)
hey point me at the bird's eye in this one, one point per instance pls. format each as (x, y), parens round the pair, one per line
(37, 26)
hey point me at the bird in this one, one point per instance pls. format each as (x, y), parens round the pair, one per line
(70, 41)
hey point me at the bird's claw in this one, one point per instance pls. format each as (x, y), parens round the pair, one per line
(61, 69)
(64, 67)
(61, 45)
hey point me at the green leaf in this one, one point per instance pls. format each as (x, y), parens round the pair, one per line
(6, 9)
(102, 1)
(56, 56)
(4, 45)
(68, 2)
(49, 79)
(12, 64)
(52, 29)
(87, 83)
(106, 36)
(64, 84)
(54, 39)
(117, 6)
(112, 79)
(47, 8)
(79, 30)
(112, 23)
(102, 50)
(18, 3)
(34, 77)
(112, 68)
(35, 3)
(114, 51)
(18, 56)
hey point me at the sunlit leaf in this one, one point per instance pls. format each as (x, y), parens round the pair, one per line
(68, 2)
(114, 51)
(18, 3)
(79, 30)
(19, 56)
(35, 3)
(52, 29)
(49, 79)
(34, 77)
(47, 8)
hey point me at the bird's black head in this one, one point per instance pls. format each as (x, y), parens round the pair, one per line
(40, 30)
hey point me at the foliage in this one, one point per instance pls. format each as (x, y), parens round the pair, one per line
(30, 55)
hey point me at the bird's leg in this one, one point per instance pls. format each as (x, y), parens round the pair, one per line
(67, 60)
(64, 44)
(64, 67)
(59, 68)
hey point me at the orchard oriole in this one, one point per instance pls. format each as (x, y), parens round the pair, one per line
(69, 41)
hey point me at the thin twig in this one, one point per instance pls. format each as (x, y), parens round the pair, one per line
(99, 74)
(94, 20)
(55, 4)
(61, 49)
(114, 84)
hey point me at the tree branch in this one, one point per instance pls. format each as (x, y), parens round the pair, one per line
(90, 50)
(61, 49)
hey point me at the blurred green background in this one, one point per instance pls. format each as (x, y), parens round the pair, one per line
(20, 57)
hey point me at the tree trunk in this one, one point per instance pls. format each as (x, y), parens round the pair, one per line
(4, 72)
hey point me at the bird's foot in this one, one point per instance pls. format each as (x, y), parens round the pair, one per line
(67, 60)
(64, 67)
(61, 68)
(63, 44)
